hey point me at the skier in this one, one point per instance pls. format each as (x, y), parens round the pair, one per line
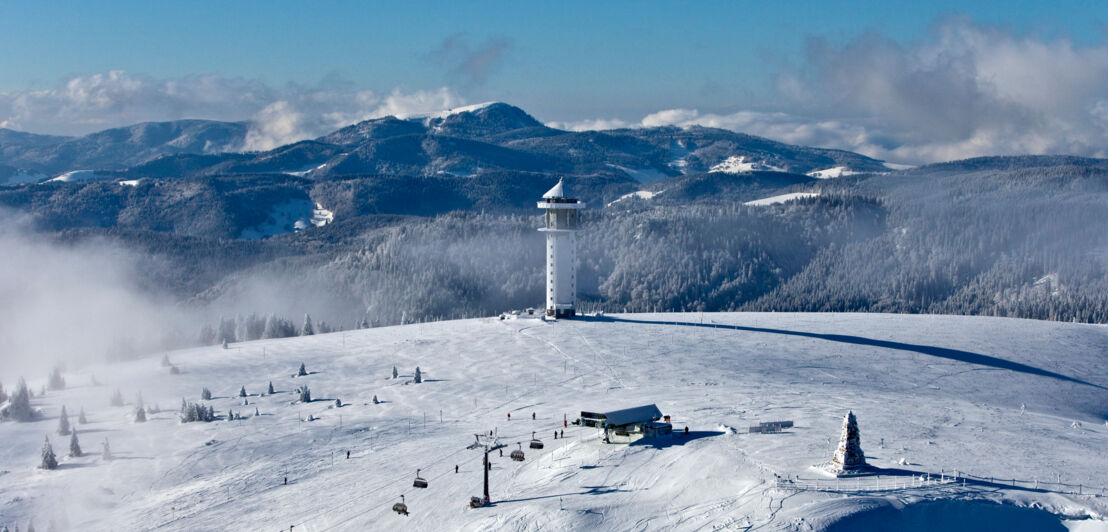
(555, 435)
(563, 436)
(532, 416)
(455, 468)
(509, 416)
(686, 430)
(347, 455)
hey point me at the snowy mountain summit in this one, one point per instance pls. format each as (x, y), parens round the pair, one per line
(997, 422)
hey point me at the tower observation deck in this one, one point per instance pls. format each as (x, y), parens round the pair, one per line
(561, 251)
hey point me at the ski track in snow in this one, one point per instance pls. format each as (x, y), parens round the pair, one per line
(711, 372)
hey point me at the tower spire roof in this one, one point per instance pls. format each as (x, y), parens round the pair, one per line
(557, 192)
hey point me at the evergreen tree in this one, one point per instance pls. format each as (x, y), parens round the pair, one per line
(165, 361)
(81, 419)
(307, 329)
(338, 403)
(140, 415)
(302, 371)
(375, 401)
(106, 451)
(117, 398)
(418, 375)
(138, 401)
(206, 394)
(395, 373)
(74, 445)
(19, 408)
(56, 380)
(242, 391)
(230, 415)
(270, 390)
(305, 394)
(49, 461)
(256, 414)
(3, 395)
(63, 423)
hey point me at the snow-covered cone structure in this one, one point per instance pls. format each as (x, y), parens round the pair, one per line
(561, 251)
(849, 457)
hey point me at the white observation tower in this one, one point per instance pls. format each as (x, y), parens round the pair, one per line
(561, 251)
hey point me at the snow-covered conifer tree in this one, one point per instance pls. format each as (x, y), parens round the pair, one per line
(165, 361)
(206, 394)
(117, 398)
(230, 415)
(138, 401)
(338, 403)
(242, 391)
(81, 419)
(3, 394)
(140, 415)
(49, 461)
(74, 445)
(270, 389)
(305, 394)
(56, 380)
(302, 371)
(19, 407)
(106, 450)
(375, 401)
(418, 375)
(307, 329)
(395, 373)
(63, 423)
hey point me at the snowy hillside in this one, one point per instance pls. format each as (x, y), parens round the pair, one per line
(1011, 402)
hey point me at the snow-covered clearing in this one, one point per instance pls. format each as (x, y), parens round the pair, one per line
(292, 215)
(1012, 402)
(831, 173)
(739, 165)
(77, 175)
(130, 183)
(641, 194)
(773, 200)
(642, 175)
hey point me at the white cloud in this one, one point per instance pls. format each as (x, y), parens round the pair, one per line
(84, 104)
(597, 124)
(965, 90)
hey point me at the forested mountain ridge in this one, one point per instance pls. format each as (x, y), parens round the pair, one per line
(444, 226)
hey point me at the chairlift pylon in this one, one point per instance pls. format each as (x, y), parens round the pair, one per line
(517, 454)
(420, 482)
(400, 507)
(535, 442)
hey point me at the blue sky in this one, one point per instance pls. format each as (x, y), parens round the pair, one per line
(564, 62)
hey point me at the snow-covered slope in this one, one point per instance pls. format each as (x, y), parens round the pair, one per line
(1002, 399)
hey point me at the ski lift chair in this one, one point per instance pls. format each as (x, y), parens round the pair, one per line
(535, 442)
(517, 454)
(420, 482)
(400, 507)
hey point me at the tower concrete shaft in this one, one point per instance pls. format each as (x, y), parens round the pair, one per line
(561, 251)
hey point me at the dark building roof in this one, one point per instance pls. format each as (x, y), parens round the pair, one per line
(638, 414)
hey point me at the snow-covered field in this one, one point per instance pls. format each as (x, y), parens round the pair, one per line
(1011, 402)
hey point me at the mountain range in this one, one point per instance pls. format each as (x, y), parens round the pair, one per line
(394, 219)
